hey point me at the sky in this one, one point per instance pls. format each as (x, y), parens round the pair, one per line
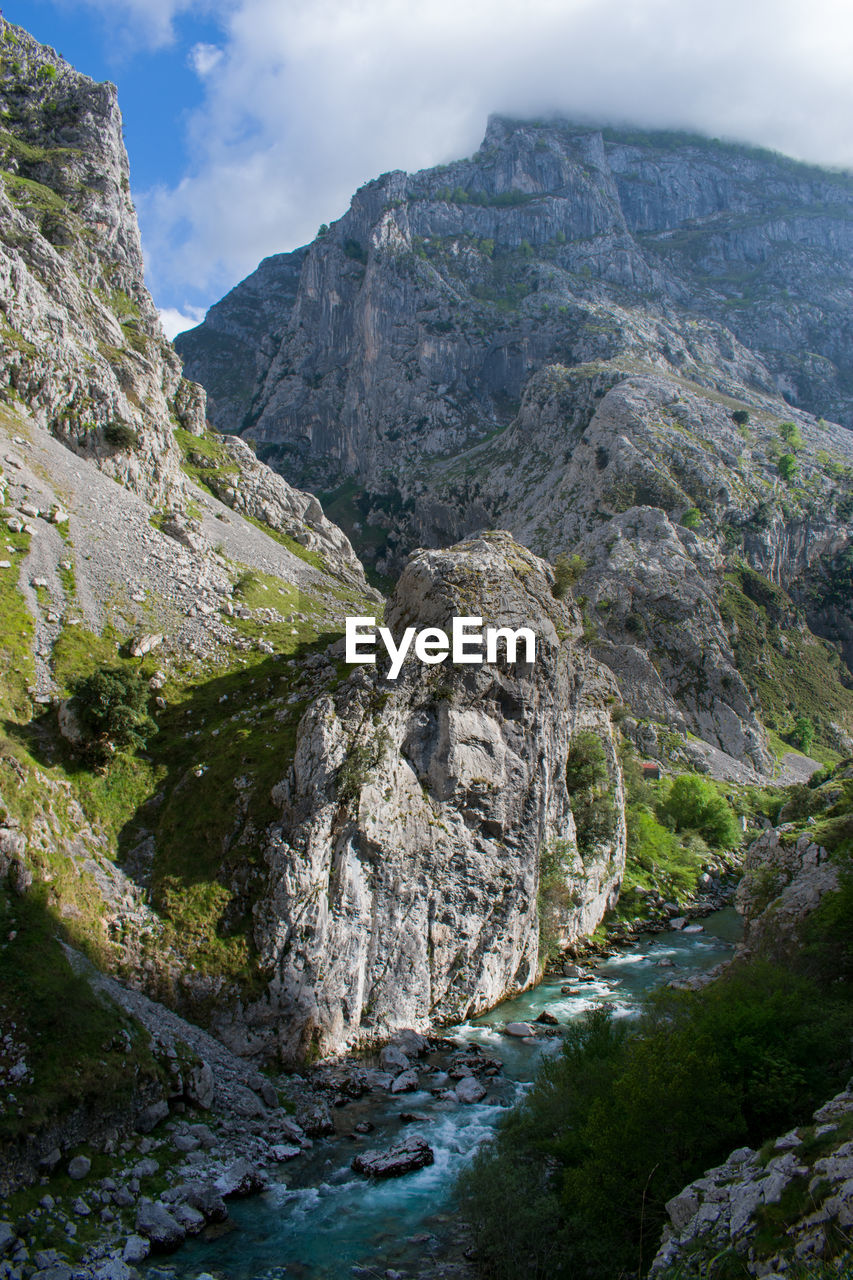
(250, 122)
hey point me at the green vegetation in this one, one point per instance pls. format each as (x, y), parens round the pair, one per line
(802, 734)
(692, 518)
(740, 417)
(120, 435)
(112, 709)
(567, 571)
(790, 433)
(790, 672)
(695, 804)
(591, 791)
(788, 466)
(80, 1049)
(576, 1181)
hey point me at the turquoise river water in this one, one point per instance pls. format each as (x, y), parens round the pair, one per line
(322, 1220)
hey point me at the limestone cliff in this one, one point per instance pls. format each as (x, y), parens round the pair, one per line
(553, 337)
(407, 873)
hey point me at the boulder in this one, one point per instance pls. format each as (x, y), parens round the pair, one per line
(406, 1157)
(519, 1029)
(470, 1090)
(136, 1249)
(392, 1058)
(150, 1116)
(206, 1198)
(160, 1228)
(79, 1167)
(405, 1082)
(241, 1178)
(200, 1086)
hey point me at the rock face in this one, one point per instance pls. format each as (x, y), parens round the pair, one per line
(785, 877)
(405, 879)
(447, 288)
(811, 1167)
(82, 340)
(552, 337)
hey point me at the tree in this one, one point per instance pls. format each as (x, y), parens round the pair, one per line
(694, 804)
(790, 433)
(788, 467)
(802, 734)
(111, 706)
(740, 417)
(567, 571)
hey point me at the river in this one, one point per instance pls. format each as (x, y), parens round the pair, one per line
(321, 1220)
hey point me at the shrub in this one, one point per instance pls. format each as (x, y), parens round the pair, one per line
(692, 518)
(576, 1181)
(790, 433)
(567, 571)
(353, 249)
(740, 417)
(589, 786)
(121, 436)
(111, 706)
(694, 804)
(788, 467)
(802, 734)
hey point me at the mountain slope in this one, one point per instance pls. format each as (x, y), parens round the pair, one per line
(569, 332)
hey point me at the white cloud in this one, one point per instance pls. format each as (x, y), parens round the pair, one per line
(313, 97)
(204, 58)
(147, 24)
(175, 321)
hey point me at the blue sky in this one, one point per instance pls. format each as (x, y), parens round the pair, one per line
(250, 122)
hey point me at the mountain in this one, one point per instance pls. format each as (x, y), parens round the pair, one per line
(619, 347)
(198, 796)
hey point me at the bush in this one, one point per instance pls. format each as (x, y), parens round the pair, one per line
(788, 467)
(567, 571)
(590, 788)
(740, 417)
(121, 436)
(694, 804)
(790, 433)
(112, 710)
(692, 518)
(576, 1181)
(802, 734)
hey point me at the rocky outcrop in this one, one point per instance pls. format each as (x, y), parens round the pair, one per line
(259, 493)
(790, 1208)
(786, 875)
(406, 874)
(555, 242)
(567, 330)
(82, 343)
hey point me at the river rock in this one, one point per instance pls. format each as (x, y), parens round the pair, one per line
(405, 1082)
(392, 1058)
(241, 1178)
(519, 1029)
(206, 1198)
(156, 1223)
(548, 1019)
(470, 1090)
(413, 1044)
(414, 1153)
(136, 1249)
